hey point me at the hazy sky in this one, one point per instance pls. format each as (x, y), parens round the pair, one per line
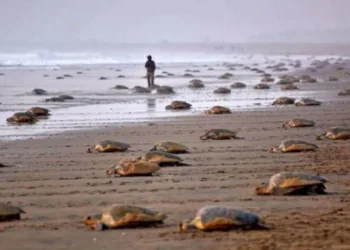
(154, 20)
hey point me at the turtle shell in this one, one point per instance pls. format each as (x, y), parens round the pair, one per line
(261, 86)
(222, 90)
(292, 145)
(66, 97)
(170, 147)
(162, 158)
(298, 123)
(178, 105)
(38, 111)
(164, 90)
(218, 110)
(238, 85)
(307, 102)
(111, 146)
(9, 212)
(338, 132)
(196, 84)
(344, 92)
(211, 218)
(134, 168)
(22, 117)
(120, 87)
(267, 79)
(225, 76)
(141, 90)
(219, 134)
(39, 92)
(54, 99)
(286, 183)
(289, 86)
(124, 216)
(283, 101)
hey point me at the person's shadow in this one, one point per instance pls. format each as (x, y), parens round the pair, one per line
(151, 104)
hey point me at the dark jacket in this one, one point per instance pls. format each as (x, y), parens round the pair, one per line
(150, 65)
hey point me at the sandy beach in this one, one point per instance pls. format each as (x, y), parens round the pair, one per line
(57, 183)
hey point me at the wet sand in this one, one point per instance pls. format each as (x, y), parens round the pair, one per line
(57, 183)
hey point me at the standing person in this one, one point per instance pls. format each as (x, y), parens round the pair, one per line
(151, 67)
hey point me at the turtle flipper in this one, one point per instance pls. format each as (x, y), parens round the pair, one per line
(181, 164)
(319, 137)
(99, 227)
(317, 189)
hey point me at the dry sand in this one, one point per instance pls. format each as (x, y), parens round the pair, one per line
(57, 183)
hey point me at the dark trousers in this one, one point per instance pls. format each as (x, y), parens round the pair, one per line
(150, 78)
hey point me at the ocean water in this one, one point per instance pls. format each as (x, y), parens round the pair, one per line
(97, 104)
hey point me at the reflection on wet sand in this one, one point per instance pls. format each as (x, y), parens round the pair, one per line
(151, 104)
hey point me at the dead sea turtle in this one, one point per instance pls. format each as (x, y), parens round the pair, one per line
(267, 79)
(225, 76)
(196, 84)
(261, 86)
(170, 147)
(124, 216)
(54, 99)
(164, 90)
(39, 92)
(222, 90)
(38, 111)
(292, 145)
(22, 117)
(307, 79)
(141, 90)
(298, 123)
(218, 110)
(133, 168)
(66, 97)
(344, 92)
(9, 212)
(238, 85)
(120, 87)
(292, 183)
(211, 218)
(336, 133)
(307, 102)
(219, 134)
(283, 101)
(108, 146)
(175, 105)
(332, 79)
(289, 86)
(163, 158)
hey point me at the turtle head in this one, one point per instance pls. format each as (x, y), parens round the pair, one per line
(112, 170)
(284, 125)
(205, 136)
(152, 149)
(186, 226)
(273, 150)
(89, 150)
(261, 190)
(139, 158)
(92, 220)
(319, 137)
